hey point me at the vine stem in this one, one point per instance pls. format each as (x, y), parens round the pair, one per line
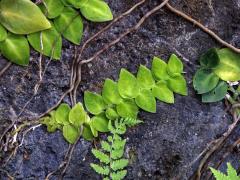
(6, 67)
(106, 47)
(201, 26)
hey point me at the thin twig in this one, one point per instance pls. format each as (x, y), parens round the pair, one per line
(6, 67)
(205, 29)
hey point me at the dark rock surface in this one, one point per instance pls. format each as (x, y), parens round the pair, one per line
(168, 141)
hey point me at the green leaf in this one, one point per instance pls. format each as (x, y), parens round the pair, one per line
(146, 101)
(62, 114)
(163, 93)
(52, 8)
(144, 78)
(205, 80)
(229, 66)
(77, 116)
(94, 102)
(100, 123)
(48, 42)
(16, 49)
(127, 85)
(106, 146)
(210, 59)
(175, 65)
(3, 33)
(178, 84)
(118, 175)
(76, 3)
(87, 133)
(127, 108)
(22, 17)
(110, 92)
(218, 175)
(119, 164)
(93, 130)
(101, 156)
(96, 11)
(70, 25)
(232, 173)
(217, 94)
(99, 169)
(159, 69)
(70, 133)
(111, 114)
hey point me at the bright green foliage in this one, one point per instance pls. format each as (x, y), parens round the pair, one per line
(94, 102)
(70, 133)
(128, 86)
(52, 8)
(178, 84)
(96, 11)
(47, 42)
(217, 94)
(70, 25)
(3, 33)
(231, 173)
(45, 36)
(77, 115)
(110, 92)
(16, 49)
(216, 64)
(69, 121)
(110, 155)
(62, 114)
(228, 68)
(163, 93)
(159, 69)
(100, 123)
(127, 108)
(111, 114)
(174, 65)
(145, 78)
(22, 17)
(146, 101)
(205, 80)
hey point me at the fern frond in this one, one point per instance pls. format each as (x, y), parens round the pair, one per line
(106, 146)
(232, 173)
(132, 122)
(106, 178)
(119, 144)
(118, 175)
(119, 164)
(101, 156)
(117, 153)
(218, 175)
(100, 170)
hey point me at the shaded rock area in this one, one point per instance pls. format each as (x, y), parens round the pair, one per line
(168, 141)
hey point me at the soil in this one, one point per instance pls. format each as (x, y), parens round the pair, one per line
(166, 144)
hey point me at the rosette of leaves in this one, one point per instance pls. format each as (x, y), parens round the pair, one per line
(231, 173)
(125, 97)
(43, 26)
(217, 66)
(67, 120)
(112, 163)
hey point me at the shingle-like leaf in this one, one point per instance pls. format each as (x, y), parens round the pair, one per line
(100, 123)
(127, 108)
(62, 114)
(127, 85)
(70, 25)
(175, 65)
(110, 92)
(52, 8)
(94, 102)
(163, 93)
(77, 115)
(3, 33)
(22, 17)
(159, 69)
(146, 101)
(145, 78)
(48, 42)
(70, 133)
(16, 49)
(178, 84)
(96, 11)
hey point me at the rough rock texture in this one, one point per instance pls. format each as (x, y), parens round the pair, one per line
(168, 141)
